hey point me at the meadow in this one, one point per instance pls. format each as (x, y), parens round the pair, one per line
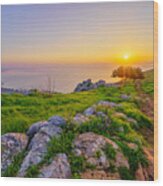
(19, 112)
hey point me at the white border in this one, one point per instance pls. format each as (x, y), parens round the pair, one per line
(56, 182)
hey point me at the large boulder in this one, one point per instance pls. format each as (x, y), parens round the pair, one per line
(92, 147)
(38, 147)
(34, 128)
(58, 168)
(57, 121)
(11, 145)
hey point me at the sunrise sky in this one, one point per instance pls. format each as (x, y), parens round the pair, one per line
(78, 33)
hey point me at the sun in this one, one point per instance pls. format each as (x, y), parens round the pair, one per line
(126, 56)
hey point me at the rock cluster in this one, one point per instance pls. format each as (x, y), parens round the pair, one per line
(89, 145)
(88, 85)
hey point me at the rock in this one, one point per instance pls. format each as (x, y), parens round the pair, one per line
(88, 85)
(92, 147)
(58, 168)
(149, 153)
(131, 120)
(89, 111)
(35, 128)
(100, 174)
(85, 85)
(38, 147)
(146, 173)
(105, 118)
(99, 83)
(139, 174)
(57, 121)
(125, 97)
(101, 114)
(107, 104)
(121, 129)
(120, 115)
(121, 160)
(11, 145)
(133, 146)
(80, 118)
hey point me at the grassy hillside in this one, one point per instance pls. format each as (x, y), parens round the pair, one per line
(20, 111)
(131, 126)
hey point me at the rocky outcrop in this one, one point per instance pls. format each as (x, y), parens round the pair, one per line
(11, 145)
(89, 85)
(92, 147)
(35, 128)
(58, 168)
(57, 121)
(38, 147)
(101, 154)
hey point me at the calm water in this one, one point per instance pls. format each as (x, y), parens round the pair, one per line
(60, 77)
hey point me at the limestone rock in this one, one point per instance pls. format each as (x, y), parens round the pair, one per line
(12, 144)
(125, 97)
(99, 83)
(131, 120)
(80, 118)
(57, 121)
(107, 104)
(58, 168)
(35, 128)
(91, 146)
(85, 85)
(139, 174)
(121, 160)
(89, 111)
(100, 174)
(38, 147)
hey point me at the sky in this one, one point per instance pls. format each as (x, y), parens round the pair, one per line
(119, 32)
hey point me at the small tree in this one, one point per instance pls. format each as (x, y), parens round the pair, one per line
(128, 73)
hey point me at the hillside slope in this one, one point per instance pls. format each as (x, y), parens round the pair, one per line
(100, 134)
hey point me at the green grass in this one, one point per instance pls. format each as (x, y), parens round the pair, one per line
(135, 156)
(125, 173)
(20, 111)
(32, 171)
(110, 152)
(148, 83)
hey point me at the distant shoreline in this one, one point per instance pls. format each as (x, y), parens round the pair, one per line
(5, 90)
